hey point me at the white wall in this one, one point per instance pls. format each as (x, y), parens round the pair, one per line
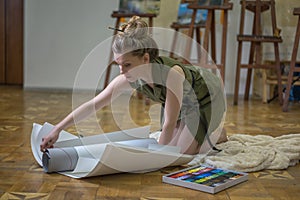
(59, 34)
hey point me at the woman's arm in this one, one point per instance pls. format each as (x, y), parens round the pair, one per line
(173, 103)
(113, 90)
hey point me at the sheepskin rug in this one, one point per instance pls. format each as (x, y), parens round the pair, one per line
(248, 153)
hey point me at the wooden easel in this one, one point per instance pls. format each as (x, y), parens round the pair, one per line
(210, 28)
(119, 15)
(293, 67)
(178, 27)
(256, 40)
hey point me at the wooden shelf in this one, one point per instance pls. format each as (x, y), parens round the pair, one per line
(264, 6)
(176, 25)
(225, 6)
(296, 11)
(273, 80)
(118, 14)
(259, 38)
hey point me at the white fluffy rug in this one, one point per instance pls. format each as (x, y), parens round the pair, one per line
(253, 153)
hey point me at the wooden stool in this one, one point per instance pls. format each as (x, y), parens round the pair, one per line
(210, 28)
(293, 67)
(256, 39)
(119, 15)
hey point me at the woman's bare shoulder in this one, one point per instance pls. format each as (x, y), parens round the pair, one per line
(178, 69)
(176, 72)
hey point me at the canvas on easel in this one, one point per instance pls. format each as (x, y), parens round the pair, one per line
(210, 2)
(185, 14)
(139, 6)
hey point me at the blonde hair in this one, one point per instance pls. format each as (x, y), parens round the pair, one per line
(133, 37)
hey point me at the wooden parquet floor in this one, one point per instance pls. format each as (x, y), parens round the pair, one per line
(22, 178)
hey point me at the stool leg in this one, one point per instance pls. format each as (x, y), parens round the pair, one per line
(108, 70)
(224, 45)
(265, 88)
(174, 43)
(277, 59)
(237, 74)
(253, 47)
(198, 38)
(190, 34)
(207, 29)
(292, 68)
(248, 83)
(213, 37)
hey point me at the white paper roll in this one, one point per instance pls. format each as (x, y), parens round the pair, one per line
(60, 159)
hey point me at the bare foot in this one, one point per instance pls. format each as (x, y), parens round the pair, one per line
(223, 137)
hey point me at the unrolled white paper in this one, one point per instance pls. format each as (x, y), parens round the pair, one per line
(122, 151)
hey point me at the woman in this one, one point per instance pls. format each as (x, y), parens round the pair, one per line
(192, 98)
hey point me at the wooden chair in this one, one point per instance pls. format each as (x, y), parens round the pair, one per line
(256, 39)
(293, 67)
(120, 15)
(210, 32)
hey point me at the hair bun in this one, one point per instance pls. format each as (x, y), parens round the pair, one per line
(135, 27)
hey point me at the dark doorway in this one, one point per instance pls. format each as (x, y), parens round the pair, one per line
(11, 42)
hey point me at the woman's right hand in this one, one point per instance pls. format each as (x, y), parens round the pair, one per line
(49, 140)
